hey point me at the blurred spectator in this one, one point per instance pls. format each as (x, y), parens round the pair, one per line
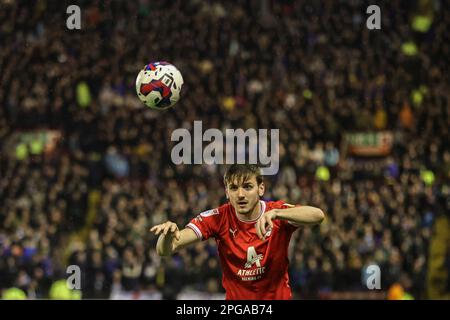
(284, 69)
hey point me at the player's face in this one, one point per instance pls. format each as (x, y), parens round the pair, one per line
(244, 195)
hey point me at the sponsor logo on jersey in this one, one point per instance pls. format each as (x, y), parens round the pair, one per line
(253, 258)
(256, 260)
(251, 275)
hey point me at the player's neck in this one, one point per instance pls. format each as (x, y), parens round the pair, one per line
(253, 215)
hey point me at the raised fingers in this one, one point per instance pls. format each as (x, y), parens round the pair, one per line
(258, 230)
(167, 228)
(160, 227)
(270, 222)
(157, 229)
(263, 226)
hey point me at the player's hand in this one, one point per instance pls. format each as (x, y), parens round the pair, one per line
(264, 222)
(167, 228)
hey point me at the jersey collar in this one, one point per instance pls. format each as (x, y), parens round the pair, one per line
(261, 211)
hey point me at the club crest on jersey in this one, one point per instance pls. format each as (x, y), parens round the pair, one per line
(209, 213)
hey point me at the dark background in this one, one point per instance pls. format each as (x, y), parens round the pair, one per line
(310, 68)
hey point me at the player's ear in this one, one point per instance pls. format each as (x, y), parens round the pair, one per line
(226, 193)
(261, 189)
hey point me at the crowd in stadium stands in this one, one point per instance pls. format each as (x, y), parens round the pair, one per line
(310, 68)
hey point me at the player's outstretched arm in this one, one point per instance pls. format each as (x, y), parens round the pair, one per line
(303, 215)
(171, 239)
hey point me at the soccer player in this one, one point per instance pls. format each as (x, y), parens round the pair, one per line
(252, 236)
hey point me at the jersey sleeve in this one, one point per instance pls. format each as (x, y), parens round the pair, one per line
(206, 224)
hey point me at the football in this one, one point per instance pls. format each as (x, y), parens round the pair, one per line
(158, 85)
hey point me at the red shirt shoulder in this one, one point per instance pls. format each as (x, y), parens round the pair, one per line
(207, 223)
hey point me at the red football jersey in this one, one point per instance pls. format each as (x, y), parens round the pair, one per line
(252, 269)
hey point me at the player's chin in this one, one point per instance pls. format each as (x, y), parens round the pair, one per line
(243, 210)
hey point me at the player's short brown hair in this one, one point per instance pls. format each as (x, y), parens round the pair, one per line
(242, 172)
